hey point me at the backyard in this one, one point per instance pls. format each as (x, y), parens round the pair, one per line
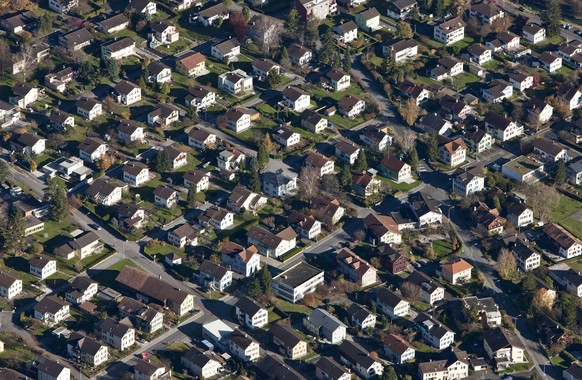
(568, 214)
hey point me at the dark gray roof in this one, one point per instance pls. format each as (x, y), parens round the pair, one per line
(50, 304)
(271, 368)
(298, 275)
(356, 354)
(284, 333)
(47, 366)
(500, 338)
(358, 312)
(248, 305)
(330, 367)
(212, 269)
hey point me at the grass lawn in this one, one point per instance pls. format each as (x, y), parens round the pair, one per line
(562, 212)
(442, 247)
(15, 352)
(403, 186)
(162, 249)
(291, 308)
(344, 122)
(464, 43)
(178, 46)
(492, 65)
(561, 361)
(421, 347)
(52, 229)
(315, 91)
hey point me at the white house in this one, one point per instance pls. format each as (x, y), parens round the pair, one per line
(201, 363)
(165, 196)
(361, 317)
(92, 149)
(391, 304)
(182, 235)
(320, 163)
(294, 283)
(468, 182)
(286, 137)
(251, 313)
(243, 346)
(501, 128)
(200, 139)
(129, 131)
(398, 349)
(568, 245)
(200, 97)
(533, 33)
(127, 93)
(452, 152)
(296, 99)
(118, 48)
(351, 106)
(105, 192)
(238, 120)
(550, 62)
(360, 360)
(51, 310)
(214, 276)
(62, 6)
(346, 152)
(42, 266)
(322, 324)
(346, 32)
(10, 286)
(218, 218)
(235, 82)
(519, 214)
(520, 81)
(270, 244)
(434, 332)
(135, 173)
(245, 261)
(118, 335)
(89, 108)
(526, 258)
(226, 51)
(450, 31)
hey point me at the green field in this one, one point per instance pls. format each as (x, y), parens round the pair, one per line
(562, 214)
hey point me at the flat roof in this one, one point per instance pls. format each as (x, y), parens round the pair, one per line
(523, 165)
(297, 275)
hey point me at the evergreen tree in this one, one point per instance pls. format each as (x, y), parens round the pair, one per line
(413, 158)
(254, 288)
(13, 231)
(345, 177)
(265, 280)
(112, 69)
(191, 196)
(263, 155)
(284, 59)
(328, 53)
(389, 374)
(347, 62)
(387, 65)
(432, 147)
(273, 78)
(162, 162)
(254, 180)
(568, 305)
(3, 171)
(361, 164)
(59, 204)
(560, 172)
(247, 13)
(438, 8)
(552, 17)
(292, 24)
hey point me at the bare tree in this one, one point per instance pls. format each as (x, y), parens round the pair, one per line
(268, 32)
(411, 290)
(309, 181)
(542, 301)
(541, 198)
(506, 264)
(461, 6)
(409, 112)
(408, 140)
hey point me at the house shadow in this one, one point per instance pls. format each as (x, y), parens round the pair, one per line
(18, 263)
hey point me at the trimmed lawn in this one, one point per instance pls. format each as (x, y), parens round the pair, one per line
(291, 308)
(562, 213)
(344, 122)
(354, 89)
(162, 249)
(442, 247)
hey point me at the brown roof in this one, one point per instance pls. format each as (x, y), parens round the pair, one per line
(164, 192)
(6, 280)
(125, 87)
(293, 93)
(349, 101)
(192, 60)
(547, 146)
(134, 167)
(346, 147)
(379, 225)
(453, 24)
(397, 344)
(562, 237)
(456, 266)
(392, 163)
(317, 160)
